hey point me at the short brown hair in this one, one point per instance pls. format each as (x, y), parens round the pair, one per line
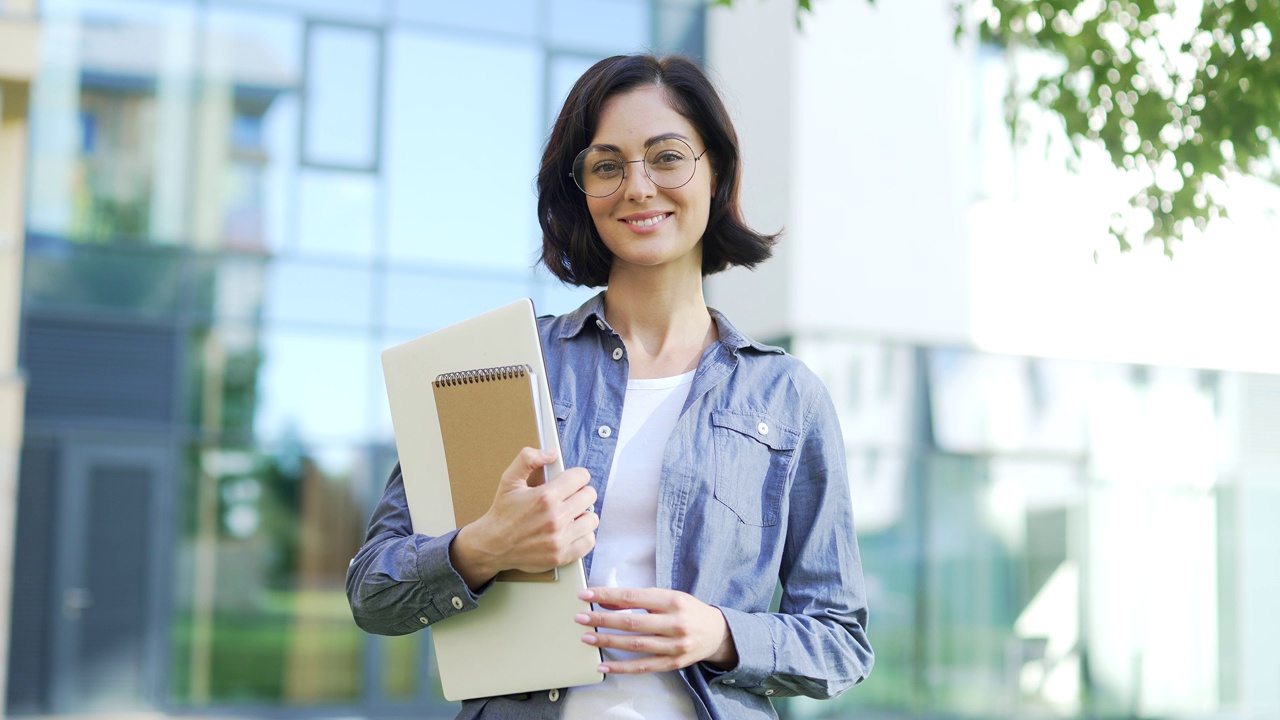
(571, 246)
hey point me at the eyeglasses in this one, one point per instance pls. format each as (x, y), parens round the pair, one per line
(668, 161)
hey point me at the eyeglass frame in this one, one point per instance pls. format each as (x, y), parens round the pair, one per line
(643, 160)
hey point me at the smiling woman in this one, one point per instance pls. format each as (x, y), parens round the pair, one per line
(715, 463)
(673, 90)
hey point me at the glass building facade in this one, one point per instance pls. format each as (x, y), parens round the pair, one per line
(234, 205)
(232, 208)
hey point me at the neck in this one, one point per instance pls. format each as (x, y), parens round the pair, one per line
(663, 321)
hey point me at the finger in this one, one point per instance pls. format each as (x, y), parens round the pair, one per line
(580, 503)
(528, 460)
(564, 485)
(585, 524)
(628, 622)
(651, 599)
(580, 535)
(579, 547)
(641, 644)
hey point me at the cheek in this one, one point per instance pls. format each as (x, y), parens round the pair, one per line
(599, 211)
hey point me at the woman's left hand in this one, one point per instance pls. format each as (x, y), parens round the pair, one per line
(676, 631)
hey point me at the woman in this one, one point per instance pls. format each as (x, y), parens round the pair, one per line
(716, 464)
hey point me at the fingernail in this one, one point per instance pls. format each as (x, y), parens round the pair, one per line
(602, 669)
(582, 618)
(585, 594)
(589, 638)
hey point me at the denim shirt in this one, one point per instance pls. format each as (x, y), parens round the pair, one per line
(754, 493)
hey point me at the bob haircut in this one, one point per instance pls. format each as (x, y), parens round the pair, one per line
(571, 246)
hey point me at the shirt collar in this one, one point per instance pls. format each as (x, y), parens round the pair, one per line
(591, 313)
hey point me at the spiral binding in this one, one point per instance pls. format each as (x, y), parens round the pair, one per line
(469, 377)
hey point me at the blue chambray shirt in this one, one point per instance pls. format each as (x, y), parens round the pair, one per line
(754, 492)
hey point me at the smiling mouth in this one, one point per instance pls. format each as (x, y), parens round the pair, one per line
(647, 222)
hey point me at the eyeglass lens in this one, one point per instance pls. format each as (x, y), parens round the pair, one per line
(669, 163)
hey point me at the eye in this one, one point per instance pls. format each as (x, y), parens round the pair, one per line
(606, 168)
(668, 158)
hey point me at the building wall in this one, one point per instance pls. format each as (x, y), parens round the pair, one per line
(911, 216)
(19, 37)
(1055, 450)
(855, 132)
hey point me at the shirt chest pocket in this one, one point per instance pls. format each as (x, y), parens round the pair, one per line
(753, 455)
(563, 411)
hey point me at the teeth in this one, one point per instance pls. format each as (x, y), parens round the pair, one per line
(647, 222)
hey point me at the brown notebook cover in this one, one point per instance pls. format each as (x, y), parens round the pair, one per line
(486, 417)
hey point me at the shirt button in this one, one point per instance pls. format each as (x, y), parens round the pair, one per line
(768, 692)
(423, 619)
(730, 681)
(617, 353)
(763, 428)
(604, 431)
(554, 695)
(599, 323)
(457, 602)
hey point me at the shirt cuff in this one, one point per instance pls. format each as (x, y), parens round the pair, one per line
(755, 648)
(448, 592)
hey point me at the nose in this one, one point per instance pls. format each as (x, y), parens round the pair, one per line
(636, 184)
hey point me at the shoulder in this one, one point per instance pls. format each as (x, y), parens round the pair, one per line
(767, 363)
(571, 324)
(782, 368)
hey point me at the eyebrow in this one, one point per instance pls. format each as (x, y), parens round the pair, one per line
(647, 143)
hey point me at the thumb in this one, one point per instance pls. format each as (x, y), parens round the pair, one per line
(519, 471)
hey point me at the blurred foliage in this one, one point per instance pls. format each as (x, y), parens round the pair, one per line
(1182, 94)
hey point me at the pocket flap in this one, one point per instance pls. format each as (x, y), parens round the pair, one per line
(562, 409)
(759, 426)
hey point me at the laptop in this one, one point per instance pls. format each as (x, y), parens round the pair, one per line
(522, 637)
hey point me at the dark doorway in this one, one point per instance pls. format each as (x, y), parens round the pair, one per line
(108, 647)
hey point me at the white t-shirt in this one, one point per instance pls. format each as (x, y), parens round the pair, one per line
(626, 543)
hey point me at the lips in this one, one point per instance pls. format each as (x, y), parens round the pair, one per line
(646, 221)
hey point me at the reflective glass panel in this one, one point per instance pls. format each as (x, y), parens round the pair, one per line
(340, 10)
(112, 121)
(580, 25)
(336, 213)
(229, 287)
(318, 293)
(681, 27)
(565, 71)
(66, 275)
(342, 96)
(224, 364)
(402, 665)
(252, 74)
(261, 615)
(421, 302)
(463, 151)
(513, 17)
(555, 298)
(299, 382)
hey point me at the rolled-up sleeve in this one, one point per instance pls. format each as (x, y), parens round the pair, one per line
(816, 644)
(400, 581)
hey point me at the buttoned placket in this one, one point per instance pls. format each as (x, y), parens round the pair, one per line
(672, 501)
(611, 384)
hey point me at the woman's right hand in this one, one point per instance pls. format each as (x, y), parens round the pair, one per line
(529, 528)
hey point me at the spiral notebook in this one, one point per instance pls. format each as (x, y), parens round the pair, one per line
(522, 637)
(486, 417)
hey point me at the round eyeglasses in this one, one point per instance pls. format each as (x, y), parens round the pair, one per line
(668, 161)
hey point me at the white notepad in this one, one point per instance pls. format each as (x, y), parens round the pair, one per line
(522, 637)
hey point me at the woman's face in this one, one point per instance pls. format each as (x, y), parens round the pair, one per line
(642, 224)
